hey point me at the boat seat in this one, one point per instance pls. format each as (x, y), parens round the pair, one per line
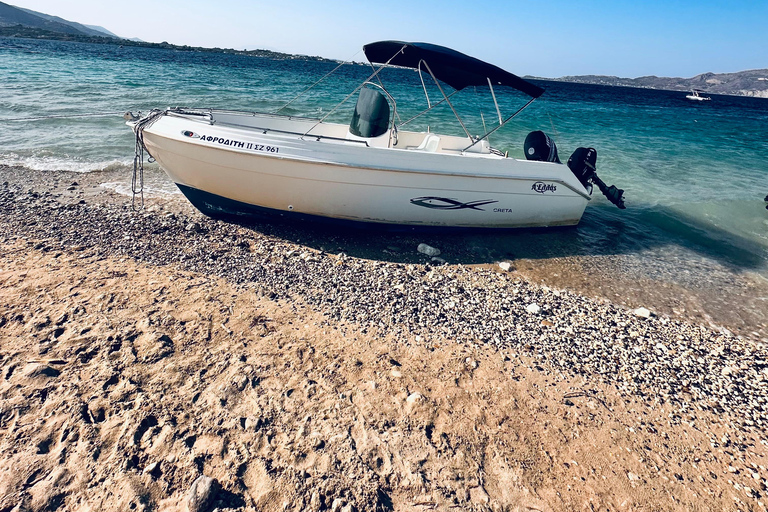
(429, 144)
(481, 147)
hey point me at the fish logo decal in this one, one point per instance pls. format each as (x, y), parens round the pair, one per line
(445, 203)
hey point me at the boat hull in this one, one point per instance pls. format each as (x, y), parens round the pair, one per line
(219, 207)
(242, 172)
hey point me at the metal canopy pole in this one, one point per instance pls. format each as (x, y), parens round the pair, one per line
(423, 86)
(446, 99)
(494, 99)
(367, 80)
(502, 124)
(425, 111)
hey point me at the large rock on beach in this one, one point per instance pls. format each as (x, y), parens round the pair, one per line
(202, 494)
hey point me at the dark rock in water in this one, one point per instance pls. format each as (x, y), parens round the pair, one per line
(428, 250)
(202, 494)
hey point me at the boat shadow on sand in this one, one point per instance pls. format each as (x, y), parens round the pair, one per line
(603, 231)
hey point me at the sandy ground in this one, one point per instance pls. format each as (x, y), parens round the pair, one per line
(121, 383)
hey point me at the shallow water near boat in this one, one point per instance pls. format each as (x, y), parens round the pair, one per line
(694, 237)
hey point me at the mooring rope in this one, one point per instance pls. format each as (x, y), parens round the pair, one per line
(137, 179)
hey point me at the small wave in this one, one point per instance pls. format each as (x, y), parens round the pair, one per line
(38, 163)
(124, 189)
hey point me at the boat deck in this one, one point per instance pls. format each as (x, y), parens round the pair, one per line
(339, 133)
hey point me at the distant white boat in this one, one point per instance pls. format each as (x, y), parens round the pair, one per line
(696, 96)
(372, 171)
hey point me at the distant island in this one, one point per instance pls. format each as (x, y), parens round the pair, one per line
(744, 83)
(24, 23)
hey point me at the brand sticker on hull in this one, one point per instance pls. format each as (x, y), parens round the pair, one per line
(542, 187)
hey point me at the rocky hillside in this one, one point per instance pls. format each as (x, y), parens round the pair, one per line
(744, 83)
(13, 16)
(93, 30)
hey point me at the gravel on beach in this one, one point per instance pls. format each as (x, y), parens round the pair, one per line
(694, 374)
(655, 357)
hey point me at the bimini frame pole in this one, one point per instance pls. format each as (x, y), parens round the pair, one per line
(494, 98)
(423, 86)
(446, 98)
(502, 124)
(367, 80)
(425, 111)
(314, 84)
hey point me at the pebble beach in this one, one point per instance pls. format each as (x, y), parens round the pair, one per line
(155, 359)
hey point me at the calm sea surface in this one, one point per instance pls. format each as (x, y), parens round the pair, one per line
(694, 174)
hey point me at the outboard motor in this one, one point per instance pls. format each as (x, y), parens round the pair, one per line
(540, 147)
(582, 163)
(371, 116)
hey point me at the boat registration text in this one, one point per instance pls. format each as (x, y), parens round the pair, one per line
(232, 142)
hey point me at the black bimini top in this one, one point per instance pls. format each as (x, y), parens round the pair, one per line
(452, 67)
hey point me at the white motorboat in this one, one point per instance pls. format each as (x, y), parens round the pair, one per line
(696, 96)
(239, 164)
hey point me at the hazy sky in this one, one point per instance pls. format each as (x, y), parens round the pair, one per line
(627, 38)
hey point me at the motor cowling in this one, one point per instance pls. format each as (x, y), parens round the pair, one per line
(583, 164)
(540, 147)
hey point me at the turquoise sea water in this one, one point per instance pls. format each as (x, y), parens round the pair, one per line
(694, 174)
